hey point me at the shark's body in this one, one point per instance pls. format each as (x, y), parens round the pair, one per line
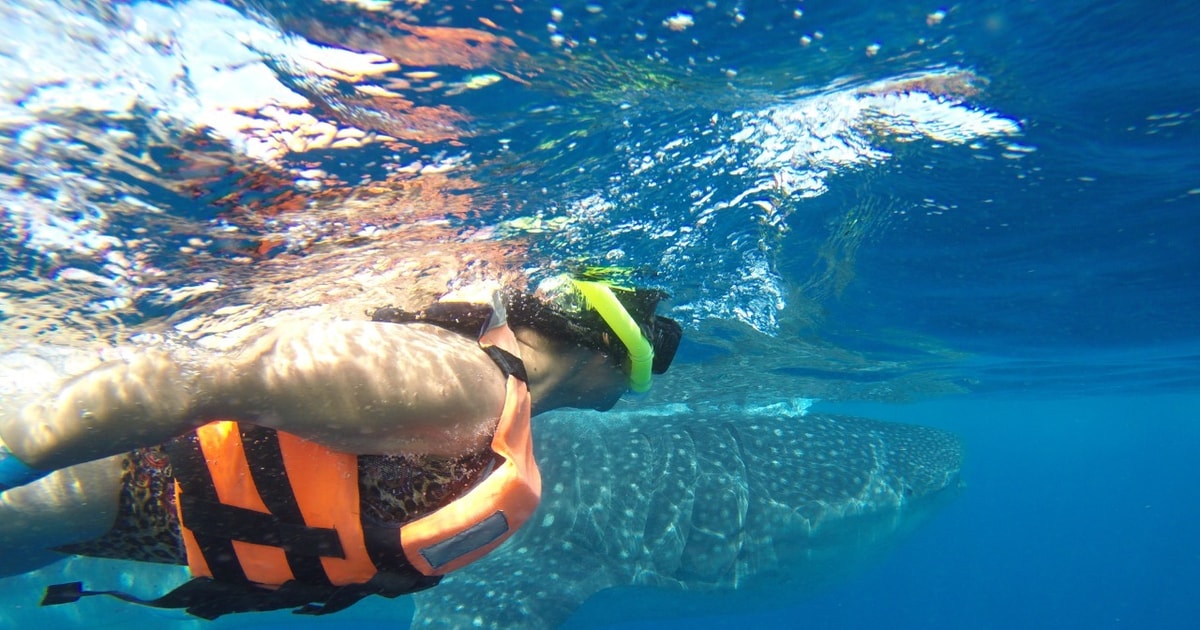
(698, 502)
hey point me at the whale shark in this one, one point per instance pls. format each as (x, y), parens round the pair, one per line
(700, 502)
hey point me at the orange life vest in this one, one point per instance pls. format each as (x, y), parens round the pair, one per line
(324, 484)
(270, 520)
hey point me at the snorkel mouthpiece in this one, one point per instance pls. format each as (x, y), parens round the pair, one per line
(641, 355)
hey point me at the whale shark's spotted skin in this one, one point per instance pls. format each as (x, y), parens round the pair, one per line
(699, 501)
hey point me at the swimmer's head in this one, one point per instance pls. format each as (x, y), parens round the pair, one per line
(581, 311)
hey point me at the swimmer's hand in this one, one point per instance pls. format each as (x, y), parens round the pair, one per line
(115, 407)
(14, 472)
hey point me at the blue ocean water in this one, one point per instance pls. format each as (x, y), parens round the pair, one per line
(1015, 261)
(1072, 519)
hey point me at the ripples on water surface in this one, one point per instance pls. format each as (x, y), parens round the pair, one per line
(171, 161)
(174, 162)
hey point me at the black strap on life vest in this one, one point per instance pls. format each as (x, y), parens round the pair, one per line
(216, 525)
(509, 364)
(207, 598)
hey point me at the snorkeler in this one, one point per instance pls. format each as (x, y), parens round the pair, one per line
(321, 463)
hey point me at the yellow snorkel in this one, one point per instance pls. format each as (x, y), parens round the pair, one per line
(641, 355)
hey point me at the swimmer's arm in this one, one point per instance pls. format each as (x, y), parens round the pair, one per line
(366, 387)
(360, 387)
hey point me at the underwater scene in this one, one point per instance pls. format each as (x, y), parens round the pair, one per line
(937, 268)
